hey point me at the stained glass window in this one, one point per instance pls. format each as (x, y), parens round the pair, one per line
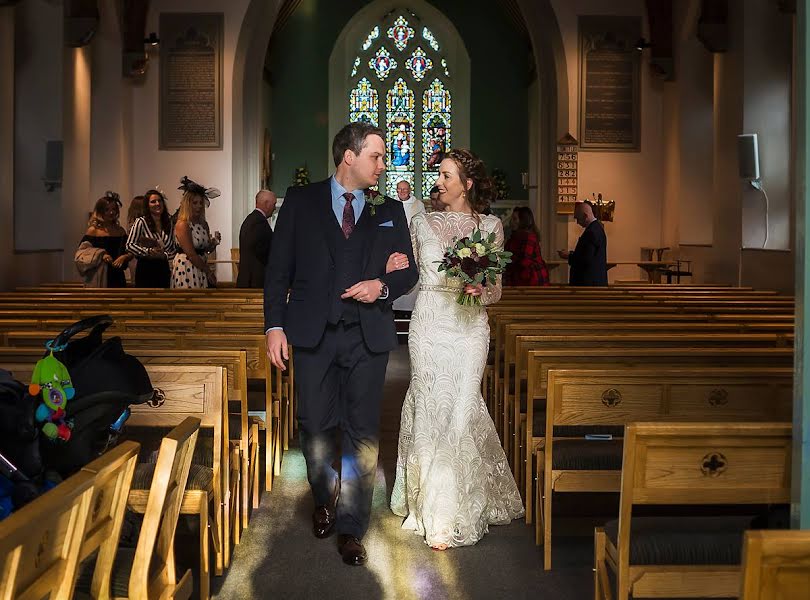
(419, 64)
(363, 104)
(428, 35)
(417, 134)
(436, 130)
(400, 32)
(399, 118)
(373, 35)
(382, 63)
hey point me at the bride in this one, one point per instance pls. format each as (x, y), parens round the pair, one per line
(452, 477)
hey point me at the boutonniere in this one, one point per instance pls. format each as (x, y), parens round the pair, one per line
(374, 199)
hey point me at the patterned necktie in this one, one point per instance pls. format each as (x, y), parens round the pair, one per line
(348, 215)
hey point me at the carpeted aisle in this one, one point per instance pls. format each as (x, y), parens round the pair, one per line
(280, 558)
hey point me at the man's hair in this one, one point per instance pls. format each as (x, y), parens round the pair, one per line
(404, 181)
(353, 137)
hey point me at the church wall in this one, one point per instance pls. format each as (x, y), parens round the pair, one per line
(37, 225)
(213, 168)
(750, 92)
(299, 66)
(633, 179)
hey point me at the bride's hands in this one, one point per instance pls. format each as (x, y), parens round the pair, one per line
(396, 262)
(474, 290)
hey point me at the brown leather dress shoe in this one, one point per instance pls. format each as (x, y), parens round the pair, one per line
(323, 521)
(352, 550)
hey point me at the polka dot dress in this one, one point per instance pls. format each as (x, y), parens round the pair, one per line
(184, 273)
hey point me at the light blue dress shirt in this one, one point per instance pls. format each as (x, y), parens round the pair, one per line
(339, 202)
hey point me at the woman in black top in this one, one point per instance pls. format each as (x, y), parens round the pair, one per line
(104, 231)
(151, 239)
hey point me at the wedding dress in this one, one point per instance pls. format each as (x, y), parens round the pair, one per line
(452, 477)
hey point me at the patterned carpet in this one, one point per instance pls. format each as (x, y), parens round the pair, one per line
(280, 558)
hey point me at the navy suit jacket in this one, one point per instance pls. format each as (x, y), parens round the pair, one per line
(588, 261)
(302, 261)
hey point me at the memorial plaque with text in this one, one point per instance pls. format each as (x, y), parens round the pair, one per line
(610, 83)
(191, 81)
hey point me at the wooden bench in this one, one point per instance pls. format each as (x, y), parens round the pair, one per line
(688, 464)
(540, 362)
(776, 565)
(258, 367)
(584, 401)
(180, 393)
(514, 422)
(113, 473)
(40, 543)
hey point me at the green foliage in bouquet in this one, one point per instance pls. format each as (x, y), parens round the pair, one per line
(475, 260)
(501, 186)
(301, 176)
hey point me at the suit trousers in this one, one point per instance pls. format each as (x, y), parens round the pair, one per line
(340, 384)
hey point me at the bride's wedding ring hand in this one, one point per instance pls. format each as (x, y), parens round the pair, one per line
(474, 290)
(364, 291)
(396, 262)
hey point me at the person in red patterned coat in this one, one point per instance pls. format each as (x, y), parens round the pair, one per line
(527, 266)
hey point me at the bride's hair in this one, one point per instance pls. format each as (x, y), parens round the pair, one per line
(472, 168)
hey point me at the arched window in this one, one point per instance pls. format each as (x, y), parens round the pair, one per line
(399, 75)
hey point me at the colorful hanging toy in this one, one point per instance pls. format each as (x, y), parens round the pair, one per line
(51, 378)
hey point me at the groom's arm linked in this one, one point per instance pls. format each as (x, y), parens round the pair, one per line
(400, 282)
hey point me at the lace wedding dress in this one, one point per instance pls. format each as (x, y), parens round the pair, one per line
(452, 477)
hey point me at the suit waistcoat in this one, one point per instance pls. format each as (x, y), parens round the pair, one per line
(348, 271)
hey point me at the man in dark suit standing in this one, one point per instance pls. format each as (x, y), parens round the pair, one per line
(333, 240)
(255, 240)
(588, 261)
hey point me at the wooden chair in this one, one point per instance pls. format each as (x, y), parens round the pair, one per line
(180, 392)
(39, 544)
(602, 401)
(689, 464)
(152, 571)
(113, 477)
(776, 565)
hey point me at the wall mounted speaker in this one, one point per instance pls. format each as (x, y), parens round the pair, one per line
(53, 165)
(748, 156)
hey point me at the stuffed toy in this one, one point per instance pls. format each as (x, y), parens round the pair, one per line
(52, 379)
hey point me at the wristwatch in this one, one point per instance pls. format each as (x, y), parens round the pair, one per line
(383, 291)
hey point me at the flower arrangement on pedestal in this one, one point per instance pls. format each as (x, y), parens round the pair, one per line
(501, 186)
(301, 176)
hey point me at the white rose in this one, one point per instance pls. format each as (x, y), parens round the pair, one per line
(464, 253)
(480, 250)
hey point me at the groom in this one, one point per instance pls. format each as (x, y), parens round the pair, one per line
(331, 245)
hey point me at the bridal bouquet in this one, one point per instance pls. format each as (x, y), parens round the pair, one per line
(475, 260)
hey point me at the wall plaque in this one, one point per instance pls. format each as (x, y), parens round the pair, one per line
(191, 81)
(609, 83)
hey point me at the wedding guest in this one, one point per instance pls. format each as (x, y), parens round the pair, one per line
(151, 240)
(436, 205)
(410, 203)
(136, 209)
(255, 241)
(104, 233)
(527, 266)
(588, 261)
(412, 207)
(194, 240)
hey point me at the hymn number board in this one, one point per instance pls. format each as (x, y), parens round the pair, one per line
(567, 155)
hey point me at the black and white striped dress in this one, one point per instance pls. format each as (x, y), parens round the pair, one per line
(151, 272)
